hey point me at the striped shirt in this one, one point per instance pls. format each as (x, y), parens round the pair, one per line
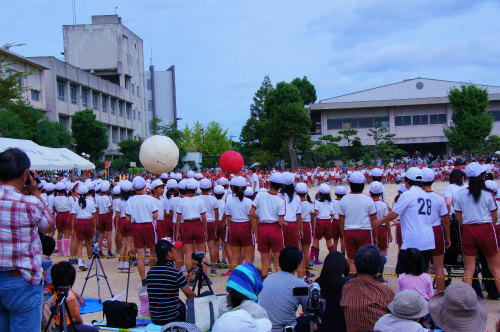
(163, 283)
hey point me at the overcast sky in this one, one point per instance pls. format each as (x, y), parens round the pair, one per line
(223, 49)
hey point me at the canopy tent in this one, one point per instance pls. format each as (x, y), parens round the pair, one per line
(43, 158)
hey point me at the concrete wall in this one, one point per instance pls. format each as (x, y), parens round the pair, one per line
(163, 93)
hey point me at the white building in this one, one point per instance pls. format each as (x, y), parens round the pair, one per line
(160, 95)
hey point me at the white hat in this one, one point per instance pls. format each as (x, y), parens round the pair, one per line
(491, 185)
(376, 187)
(164, 176)
(288, 178)
(90, 185)
(199, 176)
(50, 187)
(222, 181)
(428, 174)
(376, 172)
(356, 177)
(276, 178)
(301, 188)
(178, 176)
(205, 184)
(489, 168)
(97, 187)
(87, 155)
(248, 192)
(156, 183)
(243, 321)
(69, 186)
(340, 190)
(126, 185)
(82, 189)
(104, 186)
(218, 189)
(414, 174)
(324, 188)
(182, 184)
(474, 169)
(191, 184)
(60, 186)
(171, 184)
(138, 182)
(172, 175)
(239, 181)
(116, 190)
(190, 174)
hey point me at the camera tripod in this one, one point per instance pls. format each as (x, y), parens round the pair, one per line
(200, 276)
(61, 306)
(95, 257)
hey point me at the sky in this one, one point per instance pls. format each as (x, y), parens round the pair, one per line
(222, 49)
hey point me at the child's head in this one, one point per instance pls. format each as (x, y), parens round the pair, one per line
(48, 245)
(63, 274)
(413, 262)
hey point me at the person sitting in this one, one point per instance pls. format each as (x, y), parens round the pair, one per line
(48, 246)
(415, 276)
(277, 296)
(243, 287)
(241, 321)
(334, 275)
(163, 282)
(406, 308)
(366, 297)
(458, 309)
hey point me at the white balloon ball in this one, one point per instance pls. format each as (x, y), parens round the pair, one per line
(159, 154)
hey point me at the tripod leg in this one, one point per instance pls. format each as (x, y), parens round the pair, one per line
(106, 277)
(88, 275)
(205, 277)
(97, 277)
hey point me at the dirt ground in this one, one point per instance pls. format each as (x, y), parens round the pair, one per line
(118, 281)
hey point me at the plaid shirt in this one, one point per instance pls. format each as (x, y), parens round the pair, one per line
(21, 217)
(364, 300)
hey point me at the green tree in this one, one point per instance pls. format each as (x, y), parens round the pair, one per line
(216, 141)
(471, 122)
(155, 125)
(129, 148)
(10, 89)
(52, 134)
(380, 135)
(90, 135)
(493, 144)
(11, 125)
(307, 90)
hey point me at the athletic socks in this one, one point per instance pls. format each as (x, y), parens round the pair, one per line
(314, 253)
(66, 247)
(59, 247)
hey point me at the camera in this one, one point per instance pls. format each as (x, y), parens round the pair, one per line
(198, 256)
(315, 304)
(95, 248)
(31, 174)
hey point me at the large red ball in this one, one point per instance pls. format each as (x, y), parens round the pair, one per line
(231, 162)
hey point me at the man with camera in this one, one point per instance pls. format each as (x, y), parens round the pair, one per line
(22, 217)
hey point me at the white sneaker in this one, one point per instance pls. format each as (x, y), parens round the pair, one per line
(81, 265)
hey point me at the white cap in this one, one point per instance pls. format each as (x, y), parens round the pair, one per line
(238, 181)
(301, 188)
(171, 184)
(156, 183)
(178, 176)
(428, 174)
(87, 155)
(241, 319)
(50, 187)
(222, 181)
(489, 169)
(198, 176)
(248, 192)
(414, 174)
(288, 178)
(97, 187)
(376, 187)
(191, 184)
(340, 190)
(218, 189)
(356, 177)
(82, 189)
(138, 182)
(172, 175)
(182, 184)
(474, 169)
(376, 172)
(491, 185)
(104, 186)
(164, 176)
(69, 186)
(324, 188)
(276, 178)
(205, 184)
(190, 174)
(90, 185)
(116, 190)
(60, 186)
(126, 185)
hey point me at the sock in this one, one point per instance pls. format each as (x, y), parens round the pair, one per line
(80, 262)
(125, 265)
(66, 247)
(59, 247)
(121, 264)
(313, 253)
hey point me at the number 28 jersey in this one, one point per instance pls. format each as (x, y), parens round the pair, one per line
(414, 208)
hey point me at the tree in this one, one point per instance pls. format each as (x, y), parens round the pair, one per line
(11, 125)
(129, 148)
(380, 135)
(493, 144)
(10, 89)
(155, 125)
(471, 123)
(307, 90)
(52, 134)
(90, 135)
(216, 141)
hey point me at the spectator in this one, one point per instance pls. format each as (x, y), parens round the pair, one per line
(48, 246)
(241, 321)
(406, 308)
(415, 276)
(277, 296)
(163, 282)
(458, 309)
(334, 275)
(21, 219)
(243, 287)
(366, 297)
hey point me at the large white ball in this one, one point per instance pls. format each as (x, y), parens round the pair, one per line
(159, 154)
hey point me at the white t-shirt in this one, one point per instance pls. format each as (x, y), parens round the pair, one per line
(166, 204)
(472, 212)
(222, 207)
(161, 208)
(270, 207)
(324, 209)
(293, 208)
(238, 210)
(336, 208)
(306, 210)
(62, 204)
(451, 191)
(103, 203)
(174, 202)
(382, 208)
(86, 213)
(140, 208)
(254, 180)
(414, 208)
(439, 208)
(191, 208)
(210, 205)
(357, 209)
(118, 206)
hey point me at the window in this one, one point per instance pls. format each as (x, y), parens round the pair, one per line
(94, 100)
(133, 89)
(120, 108)
(365, 122)
(72, 93)
(150, 106)
(495, 115)
(437, 118)
(35, 95)
(134, 115)
(148, 84)
(114, 134)
(128, 106)
(139, 116)
(104, 102)
(113, 104)
(138, 93)
(403, 120)
(60, 90)
(84, 97)
(383, 121)
(420, 120)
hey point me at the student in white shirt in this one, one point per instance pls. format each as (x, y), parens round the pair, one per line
(340, 191)
(72, 198)
(323, 213)
(62, 211)
(457, 183)
(222, 234)
(157, 190)
(383, 209)
(124, 225)
(104, 205)
(254, 179)
(174, 202)
(307, 213)
(212, 207)
(171, 192)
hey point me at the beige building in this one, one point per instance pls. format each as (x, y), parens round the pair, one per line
(416, 110)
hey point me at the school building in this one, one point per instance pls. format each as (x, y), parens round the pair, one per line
(416, 110)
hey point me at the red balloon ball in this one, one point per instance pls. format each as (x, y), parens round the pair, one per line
(231, 162)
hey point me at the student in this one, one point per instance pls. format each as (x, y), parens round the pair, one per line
(118, 236)
(48, 246)
(62, 208)
(414, 274)
(104, 205)
(72, 198)
(323, 226)
(174, 203)
(212, 208)
(157, 189)
(357, 217)
(222, 234)
(384, 231)
(171, 192)
(124, 225)
(307, 211)
(340, 192)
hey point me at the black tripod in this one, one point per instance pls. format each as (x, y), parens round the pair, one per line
(61, 306)
(200, 276)
(95, 257)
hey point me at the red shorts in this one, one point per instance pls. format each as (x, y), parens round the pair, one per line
(497, 231)
(270, 236)
(105, 223)
(144, 235)
(383, 238)
(306, 234)
(222, 231)
(84, 229)
(477, 237)
(125, 227)
(336, 230)
(438, 240)
(291, 234)
(192, 232)
(323, 229)
(399, 236)
(169, 231)
(63, 221)
(161, 228)
(241, 234)
(211, 231)
(355, 239)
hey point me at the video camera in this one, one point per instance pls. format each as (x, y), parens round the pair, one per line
(198, 256)
(95, 248)
(315, 304)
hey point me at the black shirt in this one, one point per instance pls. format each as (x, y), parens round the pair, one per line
(332, 319)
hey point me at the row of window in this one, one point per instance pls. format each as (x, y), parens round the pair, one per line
(495, 115)
(352, 123)
(420, 119)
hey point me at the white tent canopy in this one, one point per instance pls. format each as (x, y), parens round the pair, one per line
(43, 158)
